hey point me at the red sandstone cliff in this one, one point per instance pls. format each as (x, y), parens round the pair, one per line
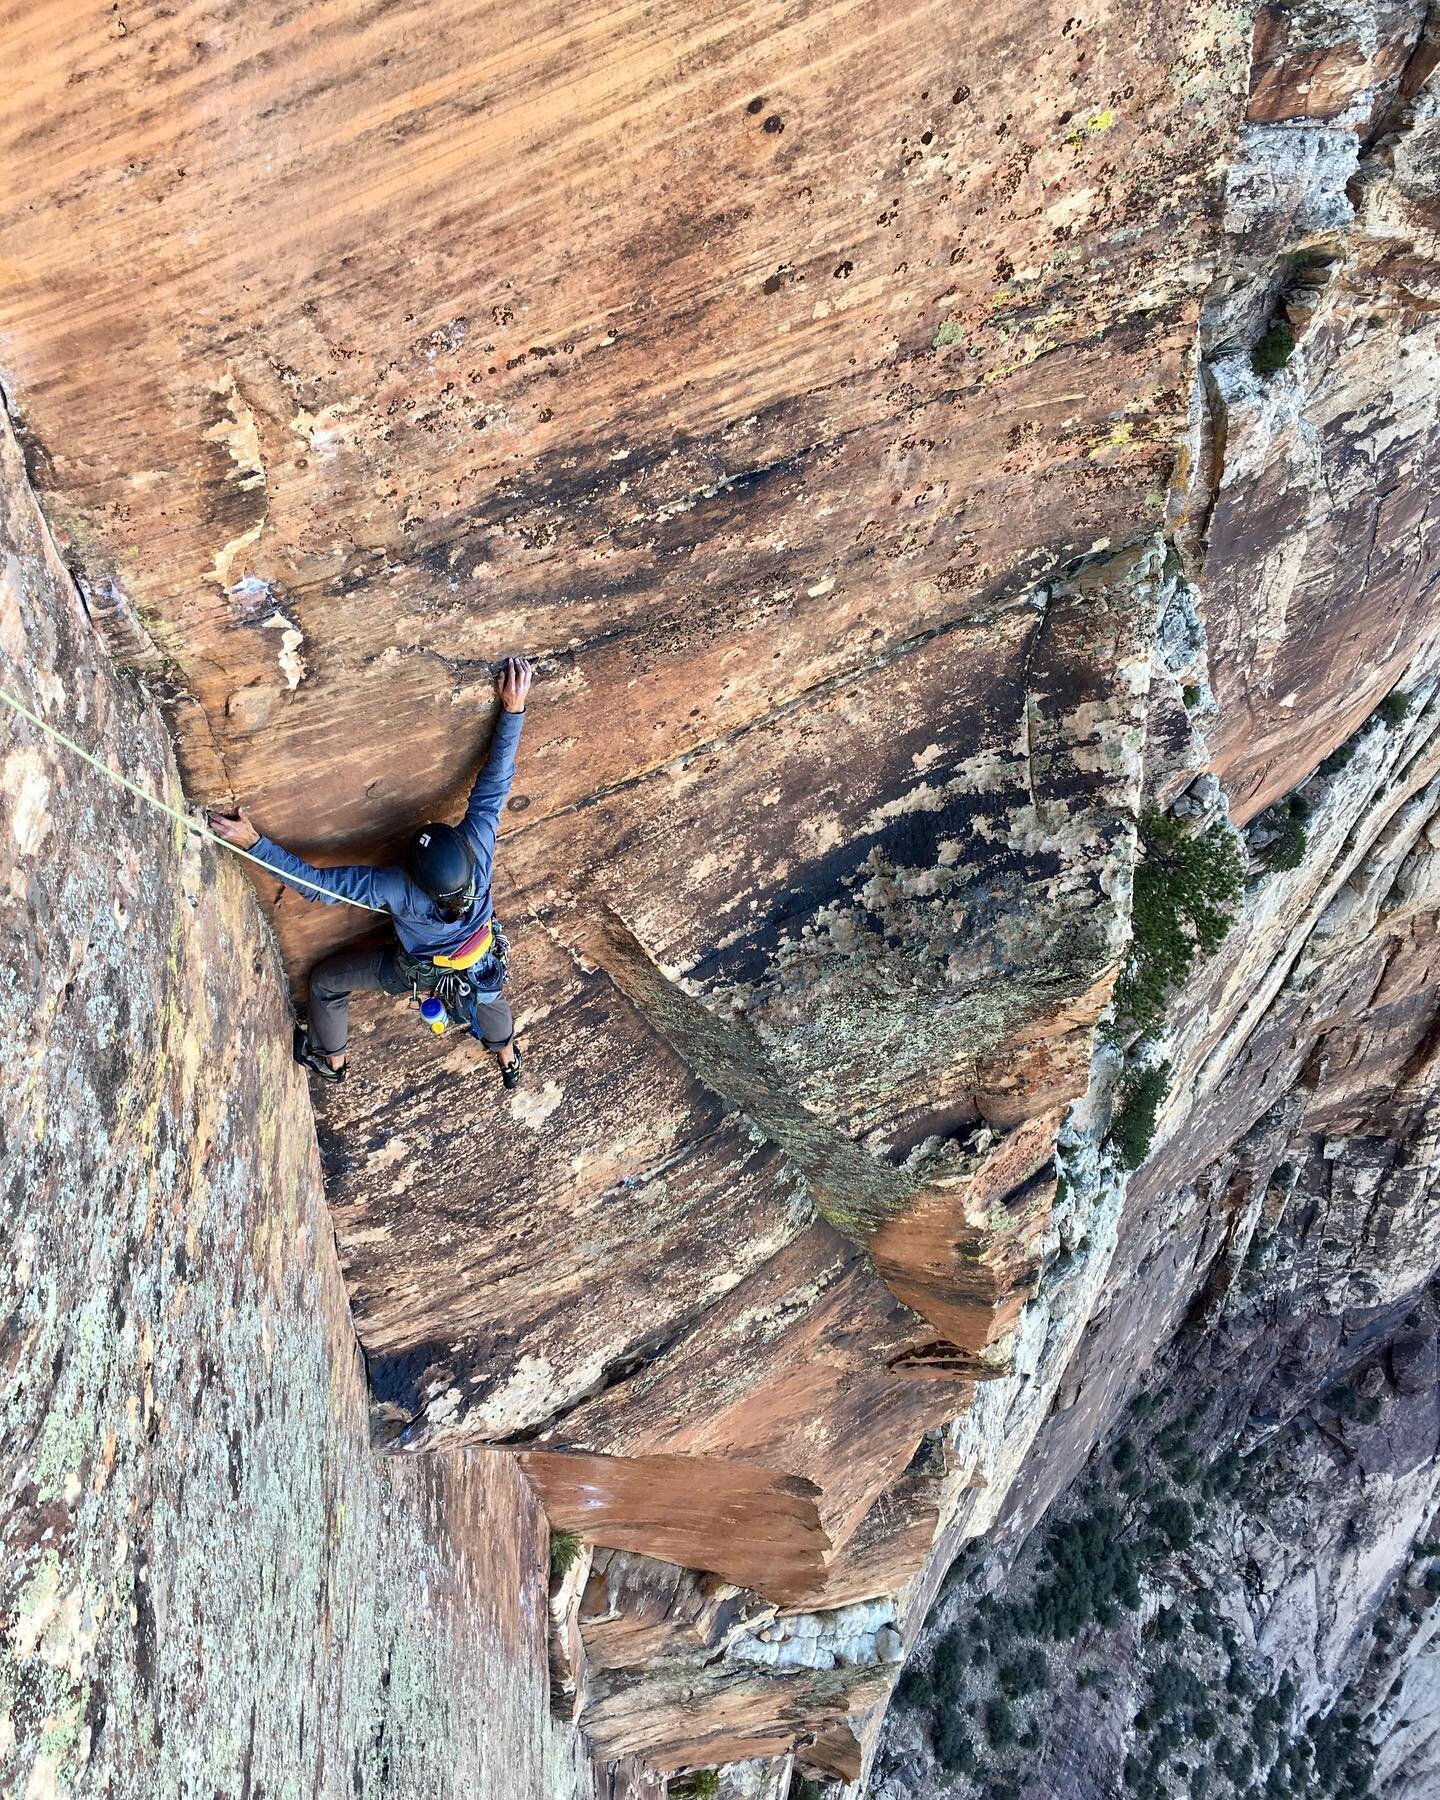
(857, 415)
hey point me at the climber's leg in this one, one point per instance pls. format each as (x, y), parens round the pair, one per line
(496, 1025)
(331, 985)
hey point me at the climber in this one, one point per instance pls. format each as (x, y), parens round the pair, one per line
(440, 901)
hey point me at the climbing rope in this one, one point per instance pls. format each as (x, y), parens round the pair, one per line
(172, 812)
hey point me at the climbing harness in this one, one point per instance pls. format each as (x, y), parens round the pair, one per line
(172, 812)
(475, 946)
(455, 989)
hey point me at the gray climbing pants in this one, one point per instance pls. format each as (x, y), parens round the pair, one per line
(377, 970)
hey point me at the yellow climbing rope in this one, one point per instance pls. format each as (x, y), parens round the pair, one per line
(171, 811)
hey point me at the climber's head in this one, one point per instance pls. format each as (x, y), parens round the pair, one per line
(440, 862)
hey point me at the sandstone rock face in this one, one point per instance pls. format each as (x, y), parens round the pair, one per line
(881, 430)
(209, 1584)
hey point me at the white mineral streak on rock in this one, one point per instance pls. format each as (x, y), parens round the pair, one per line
(533, 1109)
(330, 429)
(240, 435)
(292, 664)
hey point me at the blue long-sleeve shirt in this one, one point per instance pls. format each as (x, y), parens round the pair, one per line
(419, 924)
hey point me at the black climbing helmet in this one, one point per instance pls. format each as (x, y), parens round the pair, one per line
(440, 862)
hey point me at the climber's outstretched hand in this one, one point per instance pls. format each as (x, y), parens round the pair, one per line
(237, 831)
(512, 683)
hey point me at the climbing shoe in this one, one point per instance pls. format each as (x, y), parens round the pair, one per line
(510, 1072)
(314, 1060)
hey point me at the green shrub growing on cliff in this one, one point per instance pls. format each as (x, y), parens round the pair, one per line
(1339, 758)
(1185, 894)
(949, 1664)
(1176, 1523)
(999, 1723)
(954, 1749)
(700, 1784)
(1393, 708)
(564, 1549)
(1095, 1573)
(1027, 1673)
(915, 1688)
(1132, 1127)
(1274, 349)
(1288, 850)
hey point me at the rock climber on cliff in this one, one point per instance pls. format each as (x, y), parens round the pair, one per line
(449, 943)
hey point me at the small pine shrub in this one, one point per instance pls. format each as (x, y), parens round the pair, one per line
(1095, 1574)
(1339, 758)
(1393, 708)
(948, 1666)
(1190, 694)
(564, 1549)
(1288, 850)
(1173, 1687)
(954, 1748)
(1186, 1469)
(1176, 1523)
(1123, 1457)
(1027, 1673)
(915, 1689)
(699, 1784)
(1274, 349)
(1174, 1440)
(1185, 893)
(1132, 1128)
(999, 1724)
(1169, 1624)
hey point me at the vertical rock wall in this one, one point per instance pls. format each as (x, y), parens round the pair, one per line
(208, 1585)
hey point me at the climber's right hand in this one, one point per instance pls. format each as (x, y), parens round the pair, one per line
(512, 683)
(237, 831)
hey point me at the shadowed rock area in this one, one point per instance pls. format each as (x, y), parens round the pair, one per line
(939, 461)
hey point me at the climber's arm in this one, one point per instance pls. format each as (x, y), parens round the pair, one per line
(359, 882)
(492, 784)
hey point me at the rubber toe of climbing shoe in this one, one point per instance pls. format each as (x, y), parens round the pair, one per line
(310, 1058)
(510, 1072)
